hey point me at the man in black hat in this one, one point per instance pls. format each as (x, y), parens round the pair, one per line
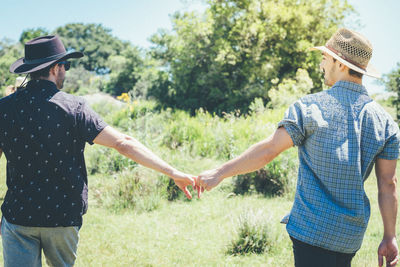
(43, 134)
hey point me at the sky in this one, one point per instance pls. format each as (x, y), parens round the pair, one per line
(137, 20)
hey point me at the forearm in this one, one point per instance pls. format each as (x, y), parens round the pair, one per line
(136, 151)
(387, 197)
(254, 158)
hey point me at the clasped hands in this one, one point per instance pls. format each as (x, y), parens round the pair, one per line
(205, 181)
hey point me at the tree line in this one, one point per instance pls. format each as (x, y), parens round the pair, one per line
(219, 60)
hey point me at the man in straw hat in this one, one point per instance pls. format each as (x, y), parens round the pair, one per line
(43, 134)
(340, 134)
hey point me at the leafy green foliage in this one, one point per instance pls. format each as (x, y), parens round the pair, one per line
(108, 161)
(253, 235)
(95, 41)
(135, 192)
(179, 138)
(238, 50)
(392, 83)
(32, 33)
(129, 190)
(81, 81)
(275, 179)
(289, 90)
(9, 53)
(126, 69)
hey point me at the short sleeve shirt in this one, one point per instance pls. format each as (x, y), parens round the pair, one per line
(339, 133)
(43, 132)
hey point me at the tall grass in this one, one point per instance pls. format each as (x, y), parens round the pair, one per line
(203, 136)
(130, 221)
(253, 234)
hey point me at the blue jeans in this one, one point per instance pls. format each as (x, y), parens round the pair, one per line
(22, 245)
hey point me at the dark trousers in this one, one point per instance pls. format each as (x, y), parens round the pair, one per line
(306, 255)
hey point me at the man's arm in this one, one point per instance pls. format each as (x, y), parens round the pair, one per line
(133, 149)
(387, 196)
(254, 158)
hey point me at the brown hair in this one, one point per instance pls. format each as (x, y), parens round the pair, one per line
(352, 72)
(41, 73)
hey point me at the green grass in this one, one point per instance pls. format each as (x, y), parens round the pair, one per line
(198, 233)
(127, 226)
(195, 233)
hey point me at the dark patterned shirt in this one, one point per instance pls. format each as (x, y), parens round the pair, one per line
(43, 132)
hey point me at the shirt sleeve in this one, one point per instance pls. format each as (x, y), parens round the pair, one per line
(392, 145)
(293, 122)
(89, 123)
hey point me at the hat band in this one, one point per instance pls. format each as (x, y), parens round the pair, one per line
(42, 60)
(345, 58)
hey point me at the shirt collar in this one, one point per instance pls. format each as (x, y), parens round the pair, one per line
(359, 88)
(42, 84)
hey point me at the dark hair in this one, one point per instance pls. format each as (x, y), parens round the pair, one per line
(41, 73)
(352, 72)
(355, 73)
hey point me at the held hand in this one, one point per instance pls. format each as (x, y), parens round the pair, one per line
(208, 180)
(388, 249)
(198, 188)
(183, 180)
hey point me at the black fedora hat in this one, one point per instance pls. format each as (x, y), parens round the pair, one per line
(40, 53)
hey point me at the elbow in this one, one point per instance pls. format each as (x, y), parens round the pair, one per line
(269, 155)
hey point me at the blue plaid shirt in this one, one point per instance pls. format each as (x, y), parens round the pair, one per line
(339, 133)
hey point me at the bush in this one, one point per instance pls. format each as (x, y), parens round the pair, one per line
(219, 137)
(275, 179)
(136, 190)
(107, 161)
(205, 139)
(80, 81)
(253, 235)
(242, 184)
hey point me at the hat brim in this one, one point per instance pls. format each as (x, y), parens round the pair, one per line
(20, 67)
(369, 70)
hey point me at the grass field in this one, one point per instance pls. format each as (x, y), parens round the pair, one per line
(194, 233)
(157, 232)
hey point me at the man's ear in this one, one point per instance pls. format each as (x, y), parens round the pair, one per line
(341, 66)
(54, 69)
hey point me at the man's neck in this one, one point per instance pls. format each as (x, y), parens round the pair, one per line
(50, 79)
(349, 78)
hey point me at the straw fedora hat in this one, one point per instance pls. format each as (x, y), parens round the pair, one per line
(40, 53)
(352, 49)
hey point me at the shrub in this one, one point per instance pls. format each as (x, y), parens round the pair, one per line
(173, 192)
(243, 183)
(275, 179)
(107, 161)
(253, 235)
(133, 190)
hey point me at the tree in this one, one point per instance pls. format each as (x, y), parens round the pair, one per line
(126, 69)
(9, 53)
(95, 41)
(392, 83)
(32, 33)
(223, 59)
